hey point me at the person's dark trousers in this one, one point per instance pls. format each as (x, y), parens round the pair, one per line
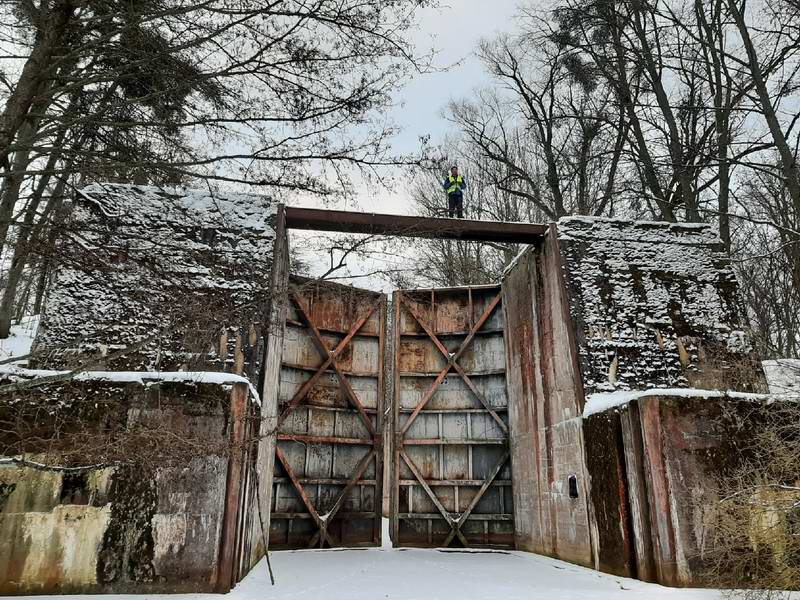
(455, 205)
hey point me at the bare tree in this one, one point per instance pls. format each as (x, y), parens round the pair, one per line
(283, 95)
(768, 257)
(548, 124)
(665, 109)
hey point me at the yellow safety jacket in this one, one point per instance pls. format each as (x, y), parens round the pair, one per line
(455, 184)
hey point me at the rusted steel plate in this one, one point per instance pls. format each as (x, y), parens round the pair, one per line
(328, 476)
(451, 473)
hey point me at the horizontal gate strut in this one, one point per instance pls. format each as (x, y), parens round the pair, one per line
(402, 225)
(303, 496)
(447, 516)
(452, 364)
(330, 359)
(465, 515)
(455, 441)
(326, 439)
(474, 517)
(331, 356)
(339, 502)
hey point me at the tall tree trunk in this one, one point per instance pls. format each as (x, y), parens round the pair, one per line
(41, 285)
(48, 254)
(611, 178)
(24, 299)
(35, 73)
(12, 183)
(712, 32)
(625, 91)
(788, 159)
(679, 168)
(23, 149)
(789, 166)
(583, 183)
(28, 235)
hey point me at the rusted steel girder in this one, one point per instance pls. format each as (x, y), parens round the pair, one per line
(405, 226)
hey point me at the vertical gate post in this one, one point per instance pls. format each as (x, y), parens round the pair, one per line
(227, 553)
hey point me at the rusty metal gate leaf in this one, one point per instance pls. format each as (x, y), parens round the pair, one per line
(327, 484)
(451, 478)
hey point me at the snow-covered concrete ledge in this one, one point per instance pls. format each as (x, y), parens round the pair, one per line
(601, 402)
(144, 378)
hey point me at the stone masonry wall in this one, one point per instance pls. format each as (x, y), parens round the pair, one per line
(182, 276)
(655, 305)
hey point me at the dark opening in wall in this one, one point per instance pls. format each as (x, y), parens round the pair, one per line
(573, 486)
(75, 489)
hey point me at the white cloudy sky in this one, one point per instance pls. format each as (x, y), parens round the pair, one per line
(454, 29)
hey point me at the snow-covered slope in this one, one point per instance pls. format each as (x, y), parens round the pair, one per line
(783, 375)
(21, 339)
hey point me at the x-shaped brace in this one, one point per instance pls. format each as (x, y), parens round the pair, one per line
(322, 521)
(455, 522)
(456, 528)
(339, 502)
(452, 363)
(329, 360)
(322, 524)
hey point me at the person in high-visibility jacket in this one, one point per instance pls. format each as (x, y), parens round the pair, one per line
(455, 185)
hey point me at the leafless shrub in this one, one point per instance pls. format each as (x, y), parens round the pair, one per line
(71, 425)
(755, 544)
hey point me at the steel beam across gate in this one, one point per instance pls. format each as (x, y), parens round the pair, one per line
(315, 219)
(451, 472)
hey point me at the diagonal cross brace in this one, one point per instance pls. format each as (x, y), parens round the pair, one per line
(303, 496)
(339, 502)
(452, 364)
(329, 357)
(454, 526)
(465, 515)
(333, 355)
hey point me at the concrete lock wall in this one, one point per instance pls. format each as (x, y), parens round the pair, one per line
(546, 399)
(664, 456)
(604, 305)
(144, 519)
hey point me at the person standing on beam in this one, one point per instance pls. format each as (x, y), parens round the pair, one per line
(455, 185)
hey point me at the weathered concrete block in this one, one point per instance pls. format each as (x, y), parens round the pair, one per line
(147, 516)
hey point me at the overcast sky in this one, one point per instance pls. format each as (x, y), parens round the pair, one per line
(454, 29)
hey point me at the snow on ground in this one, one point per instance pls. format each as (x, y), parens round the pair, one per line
(21, 338)
(415, 574)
